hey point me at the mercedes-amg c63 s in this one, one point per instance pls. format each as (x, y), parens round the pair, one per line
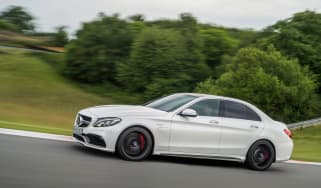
(187, 125)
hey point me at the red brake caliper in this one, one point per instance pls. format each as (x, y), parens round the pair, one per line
(266, 155)
(141, 142)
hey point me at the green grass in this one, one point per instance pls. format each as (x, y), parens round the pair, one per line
(35, 128)
(307, 144)
(33, 96)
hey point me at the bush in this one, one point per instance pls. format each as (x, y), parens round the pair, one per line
(279, 86)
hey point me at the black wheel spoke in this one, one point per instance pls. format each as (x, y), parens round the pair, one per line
(135, 143)
(261, 155)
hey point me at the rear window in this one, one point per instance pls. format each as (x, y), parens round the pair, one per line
(231, 109)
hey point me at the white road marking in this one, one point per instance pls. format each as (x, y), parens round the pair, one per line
(303, 162)
(36, 135)
(70, 139)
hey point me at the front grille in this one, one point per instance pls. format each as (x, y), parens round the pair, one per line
(95, 140)
(79, 137)
(82, 120)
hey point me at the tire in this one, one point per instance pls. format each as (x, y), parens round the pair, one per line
(135, 144)
(260, 155)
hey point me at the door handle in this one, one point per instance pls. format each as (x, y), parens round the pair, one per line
(254, 126)
(214, 121)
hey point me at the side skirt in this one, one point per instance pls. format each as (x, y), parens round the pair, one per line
(204, 157)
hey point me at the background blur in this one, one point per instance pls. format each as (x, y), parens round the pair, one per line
(52, 66)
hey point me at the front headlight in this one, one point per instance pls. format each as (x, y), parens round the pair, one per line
(105, 122)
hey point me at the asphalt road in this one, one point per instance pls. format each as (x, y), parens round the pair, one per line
(30, 162)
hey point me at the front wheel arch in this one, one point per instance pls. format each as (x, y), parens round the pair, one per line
(140, 126)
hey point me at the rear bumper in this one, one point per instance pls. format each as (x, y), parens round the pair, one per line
(284, 151)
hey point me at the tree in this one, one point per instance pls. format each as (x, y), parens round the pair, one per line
(60, 37)
(157, 63)
(17, 16)
(156, 53)
(188, 27)
(5, 25)
(137, 18)
(100, 45)
(216, 44)
(279, 86)
(299, 37)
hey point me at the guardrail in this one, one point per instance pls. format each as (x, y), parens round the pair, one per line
(306, 123)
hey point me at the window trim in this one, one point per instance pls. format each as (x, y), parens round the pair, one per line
(219, 106)
(199, 100)
(222, 111)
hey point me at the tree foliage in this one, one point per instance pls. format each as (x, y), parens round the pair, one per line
(164, 56)
(60, 37)
(157, 61)
(216, 44)
(17, 16)
(276, 84)
(100, 45)
(5, 25)
(299, 37)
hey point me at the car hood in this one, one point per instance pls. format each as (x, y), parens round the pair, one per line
(121, 110)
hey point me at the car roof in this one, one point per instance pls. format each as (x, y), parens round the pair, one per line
(211, 96)
(227, 98)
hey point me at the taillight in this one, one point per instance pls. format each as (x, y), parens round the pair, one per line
(288, 132)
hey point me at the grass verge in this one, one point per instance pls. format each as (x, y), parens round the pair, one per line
(307, 144)
(34, 128)
(32, 93)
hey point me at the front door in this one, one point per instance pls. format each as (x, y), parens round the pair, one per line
(197, 135)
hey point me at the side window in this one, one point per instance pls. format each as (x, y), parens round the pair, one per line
(208, 107)
(237, 110)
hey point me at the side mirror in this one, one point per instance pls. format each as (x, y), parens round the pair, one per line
(188, 113)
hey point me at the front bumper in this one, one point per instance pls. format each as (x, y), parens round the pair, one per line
(93, 141)
(102, 138)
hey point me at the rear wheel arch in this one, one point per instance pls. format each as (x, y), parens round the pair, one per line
(263, 139)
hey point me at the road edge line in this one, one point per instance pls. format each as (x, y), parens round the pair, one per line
(302, 162)
(32, 134)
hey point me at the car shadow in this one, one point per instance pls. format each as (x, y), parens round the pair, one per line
(94, 152)
(197, 161)
(162, 159)
(170, 159)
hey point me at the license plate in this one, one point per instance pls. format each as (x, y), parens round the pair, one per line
(78, 130)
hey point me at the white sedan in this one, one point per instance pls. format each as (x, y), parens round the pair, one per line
(187, 125)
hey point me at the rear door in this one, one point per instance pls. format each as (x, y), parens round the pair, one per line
(240, 125)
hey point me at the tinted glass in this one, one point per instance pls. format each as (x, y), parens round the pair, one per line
(171, 103)
(209, 107)
(237, 110)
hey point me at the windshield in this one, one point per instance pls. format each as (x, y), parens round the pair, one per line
(171, 103)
